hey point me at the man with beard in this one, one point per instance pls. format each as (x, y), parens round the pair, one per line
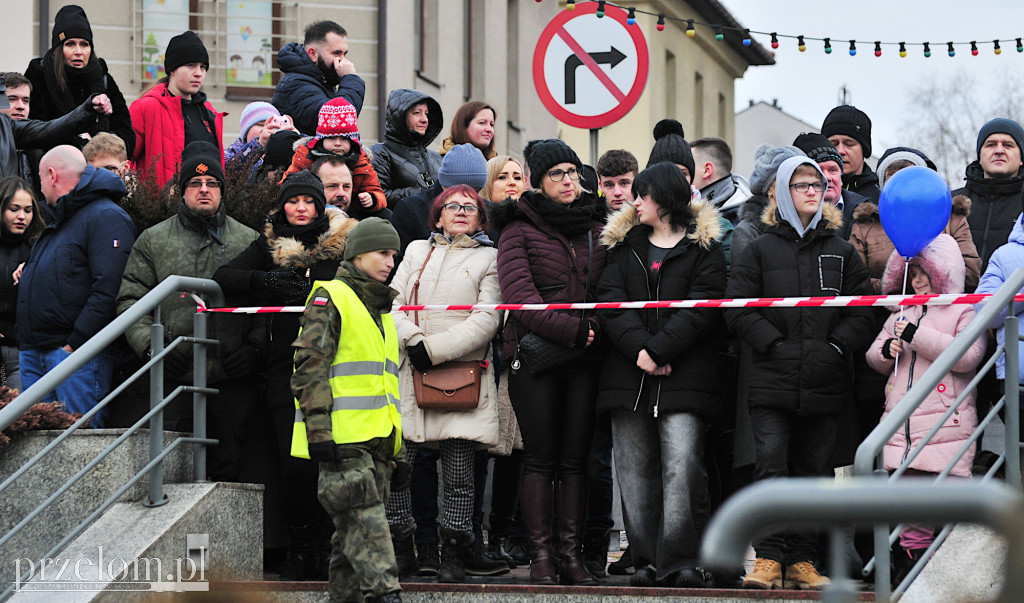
(196, 242)
(315, 72)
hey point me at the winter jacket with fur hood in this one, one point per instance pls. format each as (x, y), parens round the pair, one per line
(796, 364)
(995, 204)
(537, 264)
(461, 271)
(404, 164)
(683, 338)
(874, 246)
(936, 326)
(1003, 263)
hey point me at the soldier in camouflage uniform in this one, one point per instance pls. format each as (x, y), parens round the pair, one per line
(346, 389)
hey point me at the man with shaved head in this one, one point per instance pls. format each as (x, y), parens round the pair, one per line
(69, 283)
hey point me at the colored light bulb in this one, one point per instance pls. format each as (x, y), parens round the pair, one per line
(800, 44)
(903, 49)
(661, 22)
(775, 40)
(828, 46)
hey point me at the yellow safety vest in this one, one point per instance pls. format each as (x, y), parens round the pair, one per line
(363, 377)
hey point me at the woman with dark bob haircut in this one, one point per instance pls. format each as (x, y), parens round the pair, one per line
(456, 265)
(659, 379)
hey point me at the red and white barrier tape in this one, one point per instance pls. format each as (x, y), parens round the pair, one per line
(757, 302)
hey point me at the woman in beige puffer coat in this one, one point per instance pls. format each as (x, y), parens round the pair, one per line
(456, 265)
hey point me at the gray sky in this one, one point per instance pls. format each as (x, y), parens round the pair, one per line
(808, 84)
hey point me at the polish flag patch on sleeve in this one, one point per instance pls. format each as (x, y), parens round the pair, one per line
(319, 301)
(117, 243)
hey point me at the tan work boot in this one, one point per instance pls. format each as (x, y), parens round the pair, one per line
(804, 576)
(767, 575)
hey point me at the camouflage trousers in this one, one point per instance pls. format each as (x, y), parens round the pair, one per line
(353, 493)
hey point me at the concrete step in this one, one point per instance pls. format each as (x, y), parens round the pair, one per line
(64, 461)
(206, 531)
(970, 566)
(488, 592)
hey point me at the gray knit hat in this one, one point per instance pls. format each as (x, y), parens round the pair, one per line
(371, 234)
(463, 164)
(767, 160)
(1001, 125)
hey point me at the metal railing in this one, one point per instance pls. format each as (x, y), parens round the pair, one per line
(870, 450)
(150, 302)
(804, 503)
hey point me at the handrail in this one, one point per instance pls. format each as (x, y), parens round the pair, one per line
(864, 500)
(875, 442)
(106, 336)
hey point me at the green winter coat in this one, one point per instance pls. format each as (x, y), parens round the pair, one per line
(188, 245)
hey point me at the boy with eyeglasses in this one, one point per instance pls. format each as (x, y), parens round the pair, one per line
(800, 376)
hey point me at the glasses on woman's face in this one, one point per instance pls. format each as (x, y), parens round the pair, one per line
(557, 175)
(801, 187)
(454, 208)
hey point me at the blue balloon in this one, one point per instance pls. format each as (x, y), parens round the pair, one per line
(914, 207)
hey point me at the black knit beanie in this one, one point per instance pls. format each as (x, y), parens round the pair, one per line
(818, 148)
(541, 155)
(671, 146)
(183, 49)
(200, 158)
(70, 22)
(280, 149)
(304, 183)
(848, 120)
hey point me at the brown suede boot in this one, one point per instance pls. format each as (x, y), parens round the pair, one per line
(536, 499)
(572, 513)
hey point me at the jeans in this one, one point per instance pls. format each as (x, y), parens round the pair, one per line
(80, 392)
(11, 366)
(659, 463)
(790, 445)
(556, 417)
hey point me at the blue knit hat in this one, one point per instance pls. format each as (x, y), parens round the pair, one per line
(254, 113)
(1001, 125)
(463, 164)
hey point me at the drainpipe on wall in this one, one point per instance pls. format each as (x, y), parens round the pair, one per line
(382, 66)
(44, 34)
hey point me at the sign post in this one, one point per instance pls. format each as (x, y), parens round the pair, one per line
(589, 71)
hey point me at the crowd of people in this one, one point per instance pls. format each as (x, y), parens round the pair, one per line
(346, 411)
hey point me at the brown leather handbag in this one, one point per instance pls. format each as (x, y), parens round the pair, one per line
(453, 385)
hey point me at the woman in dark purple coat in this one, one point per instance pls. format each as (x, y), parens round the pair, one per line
(550, 251)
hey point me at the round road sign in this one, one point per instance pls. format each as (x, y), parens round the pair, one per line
(590, 71)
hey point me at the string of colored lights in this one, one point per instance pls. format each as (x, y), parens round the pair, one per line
(801, 40)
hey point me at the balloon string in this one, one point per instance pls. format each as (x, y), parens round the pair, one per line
(906, 270)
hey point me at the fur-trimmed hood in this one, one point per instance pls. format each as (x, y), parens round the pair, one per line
(940, 259)
(704, 229)
(289, 252)
(867, 212)
(831, 217)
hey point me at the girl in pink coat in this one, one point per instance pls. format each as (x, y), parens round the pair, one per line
(918, 338)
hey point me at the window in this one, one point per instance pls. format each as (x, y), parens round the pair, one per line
(242, 38)
(670, 84)
(698, 105)
(722, 108)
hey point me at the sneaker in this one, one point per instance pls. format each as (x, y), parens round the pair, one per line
(428, 558)
(622, 567)
(767, 575)
(804, 576)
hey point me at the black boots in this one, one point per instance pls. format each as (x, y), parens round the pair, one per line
(572, 513)
(595, 551)
(405, 555)
(456, 547)
(537, 503)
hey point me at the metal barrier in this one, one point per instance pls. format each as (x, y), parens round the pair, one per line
(863, 500)
(871, 448)
(95, 345)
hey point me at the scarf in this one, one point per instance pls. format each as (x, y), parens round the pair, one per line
(203, 224)
(570, 221)
(88, 80)
(307, 234)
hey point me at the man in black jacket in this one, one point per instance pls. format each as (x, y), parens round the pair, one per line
(315, 72)
(994, 185)
(849, 129)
